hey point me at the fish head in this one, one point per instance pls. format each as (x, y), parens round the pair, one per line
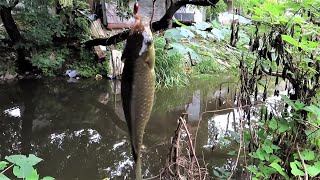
(140, 41)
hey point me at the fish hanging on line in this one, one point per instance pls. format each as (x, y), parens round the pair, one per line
(138, 84)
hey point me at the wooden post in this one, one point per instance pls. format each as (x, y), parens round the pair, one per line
(104, 21)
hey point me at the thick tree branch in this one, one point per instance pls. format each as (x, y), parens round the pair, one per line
(162, 24)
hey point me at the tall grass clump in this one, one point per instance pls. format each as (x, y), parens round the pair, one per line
(170, 70)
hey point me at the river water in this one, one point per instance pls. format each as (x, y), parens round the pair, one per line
(79, 128)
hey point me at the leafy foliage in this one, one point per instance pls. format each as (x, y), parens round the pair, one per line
(170, 70)
(212, 12)
(50, 61)
(86, 65)
(23, 167)
(283, 47)
(204, 44)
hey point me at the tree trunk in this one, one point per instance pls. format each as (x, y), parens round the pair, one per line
(9, 24)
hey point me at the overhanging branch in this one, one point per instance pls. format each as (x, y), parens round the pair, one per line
(162, 24)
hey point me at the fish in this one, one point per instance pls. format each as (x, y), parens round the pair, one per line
(138, 84)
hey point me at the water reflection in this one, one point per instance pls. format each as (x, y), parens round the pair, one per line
(79, 128)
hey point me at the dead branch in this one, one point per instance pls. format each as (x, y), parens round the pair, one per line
(182, 164)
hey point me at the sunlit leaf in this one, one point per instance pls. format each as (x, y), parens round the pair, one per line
(308, 155)
(252, 169)
(173, 33)
(194, 55)
(267, 171)
(299, 105)
(202, 33)
(202, 25)
(262, 155)
(278, 168)
(23, 170)
(314, 109)
(33, 176)
(3, 177)
(217, 33)
(267, 149)
(290, 40)
(294, 169)
(186, 33)
(33, 160)
(16, 159)
(273, 124)
(283, 126)
(3, 164)
(275, 147)
(274, 158)
(312, 170)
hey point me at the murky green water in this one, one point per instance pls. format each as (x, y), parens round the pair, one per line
(80, 132)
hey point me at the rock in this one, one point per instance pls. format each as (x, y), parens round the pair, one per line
(98, 77)
(8, 76)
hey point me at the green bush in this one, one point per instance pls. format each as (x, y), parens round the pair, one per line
(50, 61)
(86, 65)
(170, 70)
(207, 66)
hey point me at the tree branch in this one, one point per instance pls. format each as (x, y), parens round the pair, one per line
(162, 24)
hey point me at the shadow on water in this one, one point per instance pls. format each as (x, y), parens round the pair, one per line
(79, 128)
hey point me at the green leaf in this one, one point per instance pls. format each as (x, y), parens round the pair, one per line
(267, 149)
(23, 171)
(299, 105)
(252, 169)
(290, 40)
(193, 54)
(262, 155)
(273, 124)
(312, 170)
(202, 33)
(3, 164)
(16, 159)
(202, 25)
(217, 33)
(3, 177)
(274, 158)
(33, 176)
(278, 168)
(308, 155)
(33, 160)
(275, 147)
(283, 126)
(186, 33)
(294, 169)
(313, 109)
(173, 34)
(48, 178)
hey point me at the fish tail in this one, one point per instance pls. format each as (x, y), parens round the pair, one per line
(138, 169)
